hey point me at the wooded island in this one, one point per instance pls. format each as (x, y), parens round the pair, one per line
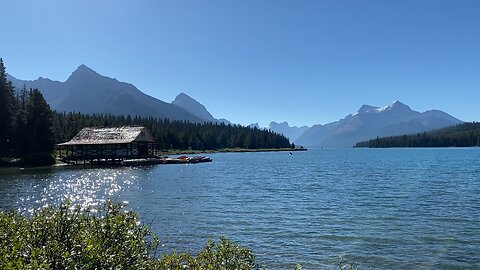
(462, 135)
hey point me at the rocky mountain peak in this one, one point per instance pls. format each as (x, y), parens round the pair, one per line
(367, 109)
(192, 106)
(82, 71)
(397, 105)
(182, 97)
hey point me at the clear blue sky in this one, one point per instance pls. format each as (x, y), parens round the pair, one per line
(305, 62)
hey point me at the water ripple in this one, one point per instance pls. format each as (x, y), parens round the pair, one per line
(387, 208)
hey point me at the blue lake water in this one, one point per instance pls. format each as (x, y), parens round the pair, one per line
(386, 208)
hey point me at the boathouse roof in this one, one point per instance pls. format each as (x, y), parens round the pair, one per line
(112, 135)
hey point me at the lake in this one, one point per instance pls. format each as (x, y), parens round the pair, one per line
(386, 208)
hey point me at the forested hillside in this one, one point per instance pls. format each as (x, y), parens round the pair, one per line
(462, 135)
(174, 134)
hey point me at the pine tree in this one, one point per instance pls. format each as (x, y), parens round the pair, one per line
(39, 123)
(7, 101)
(21, 131)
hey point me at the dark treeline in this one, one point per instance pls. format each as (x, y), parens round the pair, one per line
(25, 123)
(174, 134)
(462, 135)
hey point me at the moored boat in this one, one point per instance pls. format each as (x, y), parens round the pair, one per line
(154, 161)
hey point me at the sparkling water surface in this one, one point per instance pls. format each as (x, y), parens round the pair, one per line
(386, 208)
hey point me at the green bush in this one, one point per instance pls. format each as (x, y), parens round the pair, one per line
(71, 238)
(67, 237)
(37, 159)
(223, 255)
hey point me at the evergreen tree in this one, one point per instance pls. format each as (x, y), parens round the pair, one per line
(7, 103)
(39, 123)
(21, 129)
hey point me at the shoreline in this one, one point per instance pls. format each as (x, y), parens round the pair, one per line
(227, 150)
(179, 152)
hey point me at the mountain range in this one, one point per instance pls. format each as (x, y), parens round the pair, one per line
(371, 122)
(88, 92)
(292, 133)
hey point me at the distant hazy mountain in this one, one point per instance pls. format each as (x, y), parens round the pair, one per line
(225, 121)
(194, 107)
(369, 122)
(254, 125)
(53, 91)
(89, 92)
(292, 133)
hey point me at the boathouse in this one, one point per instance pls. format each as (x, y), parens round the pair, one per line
(108, 145)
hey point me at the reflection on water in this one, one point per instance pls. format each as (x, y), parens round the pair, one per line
(28, 189)
(388, 208)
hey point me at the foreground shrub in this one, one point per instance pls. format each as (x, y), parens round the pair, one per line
(67, 237)
(223, 255)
